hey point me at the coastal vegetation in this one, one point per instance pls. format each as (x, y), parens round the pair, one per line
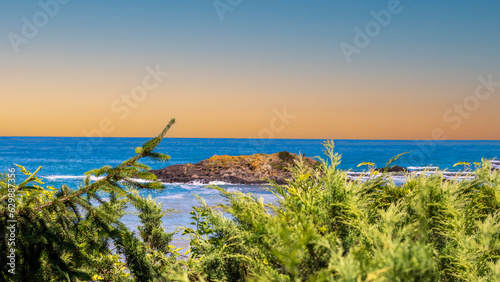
(323, 227)
(60, 234)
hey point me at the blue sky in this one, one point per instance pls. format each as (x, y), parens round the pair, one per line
(279, 52)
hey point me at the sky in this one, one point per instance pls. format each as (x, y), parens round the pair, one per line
(319, 69)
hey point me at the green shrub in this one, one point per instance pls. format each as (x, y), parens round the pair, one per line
(75, 235)
(325, 227)
(286, 157)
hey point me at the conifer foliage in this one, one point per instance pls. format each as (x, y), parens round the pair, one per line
(63, 234)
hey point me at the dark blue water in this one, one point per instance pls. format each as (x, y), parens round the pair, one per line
(74, 156)
(65, 159)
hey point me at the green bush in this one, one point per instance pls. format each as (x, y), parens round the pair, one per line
(325, 227)
(75, 235)
(286, 157)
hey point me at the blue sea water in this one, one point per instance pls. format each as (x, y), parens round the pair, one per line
(64, 160)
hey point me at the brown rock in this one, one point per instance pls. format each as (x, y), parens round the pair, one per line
(252, 169)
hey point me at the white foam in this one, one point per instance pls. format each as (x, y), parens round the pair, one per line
(172, 183)
(196, 183)
(140, 180)
(191, 186)
(56, 177)
(495, 164)
(175, 196)
(419, 168)
(220, 183)
(355, 172)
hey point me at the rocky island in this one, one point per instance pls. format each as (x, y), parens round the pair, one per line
(251, 169)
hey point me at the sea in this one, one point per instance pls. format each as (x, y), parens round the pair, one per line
(64, 160)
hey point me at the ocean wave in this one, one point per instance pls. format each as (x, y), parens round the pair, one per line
(221, 183)
(139, 180)
(495, 164)
(192, 185)
(55, 177)
(175, 196)
(420, 168)
(353, 172)
(66, 177)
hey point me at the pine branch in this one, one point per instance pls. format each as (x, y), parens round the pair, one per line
(111, 173)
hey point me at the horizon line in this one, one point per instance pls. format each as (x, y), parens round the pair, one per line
(249, 138)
